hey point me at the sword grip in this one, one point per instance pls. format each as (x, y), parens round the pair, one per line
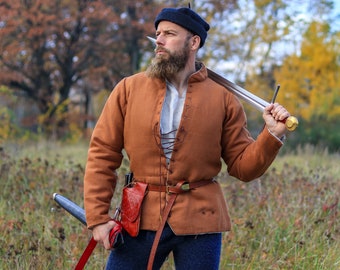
(291, 122)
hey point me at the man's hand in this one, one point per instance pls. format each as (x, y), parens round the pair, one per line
(101, 233)
(273, 115)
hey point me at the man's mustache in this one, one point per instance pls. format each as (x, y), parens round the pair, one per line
(161, 49)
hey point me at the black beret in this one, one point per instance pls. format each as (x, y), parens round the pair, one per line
(186, 18)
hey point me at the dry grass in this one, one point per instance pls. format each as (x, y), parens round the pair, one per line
(288, 219)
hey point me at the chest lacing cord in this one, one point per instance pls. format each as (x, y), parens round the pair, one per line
(165, 143)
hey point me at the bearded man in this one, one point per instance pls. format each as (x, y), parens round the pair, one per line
(175, 124)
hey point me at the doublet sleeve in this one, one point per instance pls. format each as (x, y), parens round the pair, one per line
(245, 157)
(104, 157)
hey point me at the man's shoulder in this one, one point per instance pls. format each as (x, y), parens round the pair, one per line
(138, 76)
(139, 82)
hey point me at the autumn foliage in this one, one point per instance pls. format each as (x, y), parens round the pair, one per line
(51, 50)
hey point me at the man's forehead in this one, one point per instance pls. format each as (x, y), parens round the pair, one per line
(167, 26)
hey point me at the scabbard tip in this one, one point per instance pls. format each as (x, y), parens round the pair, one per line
(54, 195)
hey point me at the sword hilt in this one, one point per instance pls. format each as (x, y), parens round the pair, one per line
(291, 122)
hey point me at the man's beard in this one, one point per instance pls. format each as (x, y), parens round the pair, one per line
(166, 67)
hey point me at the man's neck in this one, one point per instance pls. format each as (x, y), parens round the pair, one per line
(180, 80)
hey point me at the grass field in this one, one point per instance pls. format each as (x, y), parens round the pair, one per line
(287, 219)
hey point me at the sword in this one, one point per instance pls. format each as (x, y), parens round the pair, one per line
(291, 122)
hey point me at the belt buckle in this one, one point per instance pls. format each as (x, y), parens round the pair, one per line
(167, 189)
(178, 189)
(185, 186)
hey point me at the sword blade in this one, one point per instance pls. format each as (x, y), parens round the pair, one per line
(240, 92)
(153, 40)
(71, 207)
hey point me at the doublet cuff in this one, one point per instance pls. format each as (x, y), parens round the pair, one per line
(281, 139)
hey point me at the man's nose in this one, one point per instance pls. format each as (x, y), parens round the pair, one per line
(160, 40)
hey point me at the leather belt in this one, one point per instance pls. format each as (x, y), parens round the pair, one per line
(173, 191)
(184, 187)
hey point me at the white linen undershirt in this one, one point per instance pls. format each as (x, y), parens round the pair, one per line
(171, 117)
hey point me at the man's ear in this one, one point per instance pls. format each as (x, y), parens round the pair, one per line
(195, 42)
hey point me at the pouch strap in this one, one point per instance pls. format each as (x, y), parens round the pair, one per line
(173, 191)
(165, 215)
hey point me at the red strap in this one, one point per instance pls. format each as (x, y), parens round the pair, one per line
(160, 230)
(172, 197)
(86, 254)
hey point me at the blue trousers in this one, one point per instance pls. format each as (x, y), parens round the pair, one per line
(198, 252)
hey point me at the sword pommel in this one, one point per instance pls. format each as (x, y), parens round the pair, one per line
(291, 123)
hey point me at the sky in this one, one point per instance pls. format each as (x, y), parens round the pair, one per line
(336, 12)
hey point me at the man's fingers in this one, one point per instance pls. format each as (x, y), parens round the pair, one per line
(101, 233)
(278, 112)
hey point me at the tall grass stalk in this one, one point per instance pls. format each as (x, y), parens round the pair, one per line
(287, 219)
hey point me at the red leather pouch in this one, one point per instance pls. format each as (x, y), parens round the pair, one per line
(132, 199)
